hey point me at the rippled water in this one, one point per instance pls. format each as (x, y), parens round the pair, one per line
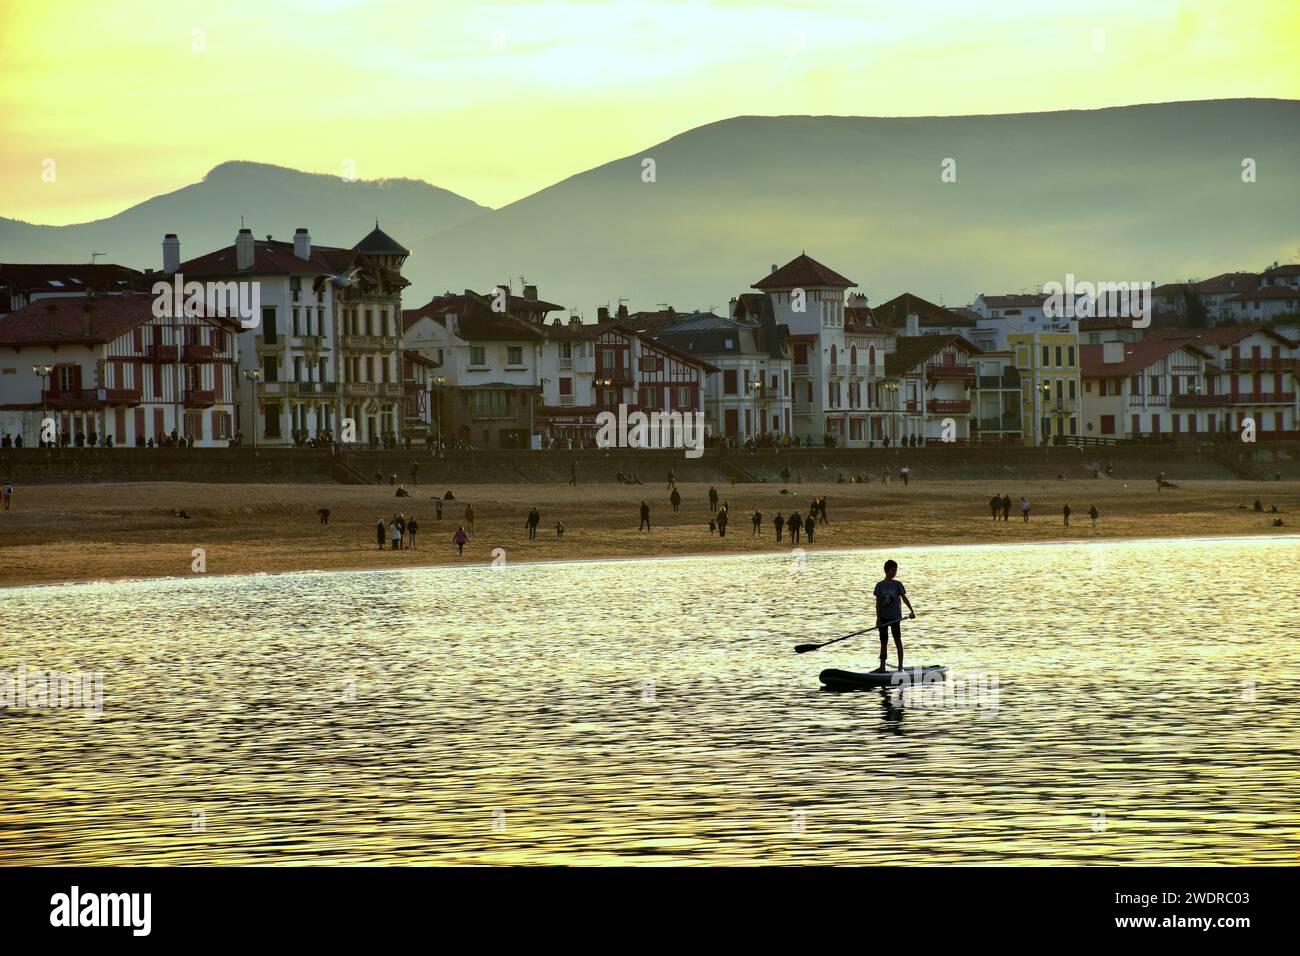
(1145, 710)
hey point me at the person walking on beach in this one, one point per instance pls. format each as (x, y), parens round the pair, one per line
(1006, 507)
(676, 499)
(559, 530)
(713, 498)
(809, 526)
(395, 534)
(1066, 512)
(778, 522)
(412, 526)
(1024, 508)
(904, 473)
(645, 517)
(796, 525)
(324, 515)
(534, 519)
(459, 539)
(672, 479)
(415, 472)
(437, 509)
(995, 505)
(758, 522)
(889, 613)
(722, 522)
(821, 511)
(381, 533)
(7, 493)
(469, 517)
(1092, 513)
(401, 529)
(573, 474)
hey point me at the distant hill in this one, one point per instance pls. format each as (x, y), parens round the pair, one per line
(272, 200)
(1141, 192)
(1130, 193)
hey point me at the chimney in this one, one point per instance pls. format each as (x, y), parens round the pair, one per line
(912, 324)
(244, 250)
(171, 253)
(773, 269)
(602, 314)
(622, 312)
(530, 293)
(302, 243)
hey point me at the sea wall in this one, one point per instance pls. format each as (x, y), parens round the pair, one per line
(936, 462)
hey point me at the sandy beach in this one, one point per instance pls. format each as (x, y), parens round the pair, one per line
(59, 533)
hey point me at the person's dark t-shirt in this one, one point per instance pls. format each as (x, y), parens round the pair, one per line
(890, 592)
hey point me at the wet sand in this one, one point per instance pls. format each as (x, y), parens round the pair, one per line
(57, 533)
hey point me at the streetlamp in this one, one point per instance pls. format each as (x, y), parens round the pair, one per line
(892, 389)
(756, 390)
(439, 380)
(253, 375)
(43, 372)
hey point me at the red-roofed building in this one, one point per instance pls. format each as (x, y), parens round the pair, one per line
(22, 283)
(114, 369)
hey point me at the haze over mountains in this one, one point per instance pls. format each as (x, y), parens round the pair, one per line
(1131, 193)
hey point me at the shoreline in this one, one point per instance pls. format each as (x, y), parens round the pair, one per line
(784, 548)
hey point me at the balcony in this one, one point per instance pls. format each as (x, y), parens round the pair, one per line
(1263, 398)
(309, 343)
(859, 371)
(567, 401)
(940, 370)
(619, 376)
(161, 353)
(199, 353)
(801, 408)
(390, 389)
(1264, 363)
(943, 406)
(1197, 400)
(92, 397)
(835, 370)
(385, 342)
(268, 342)
(199, 398)
(566, 363)
(801, 371)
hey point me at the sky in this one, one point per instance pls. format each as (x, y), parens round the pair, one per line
(108, 103)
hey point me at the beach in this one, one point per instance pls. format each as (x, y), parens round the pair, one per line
(92, 532)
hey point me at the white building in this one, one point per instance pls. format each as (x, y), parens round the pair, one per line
(327, 350)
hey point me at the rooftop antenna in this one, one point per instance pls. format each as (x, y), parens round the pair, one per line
(94, 254)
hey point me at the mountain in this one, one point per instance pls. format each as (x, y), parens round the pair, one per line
(1129, 193)
(1150, 192)
(271, 199)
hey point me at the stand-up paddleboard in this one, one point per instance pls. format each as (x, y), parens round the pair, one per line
(844, 680)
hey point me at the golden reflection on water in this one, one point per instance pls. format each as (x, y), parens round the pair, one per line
(654, 713)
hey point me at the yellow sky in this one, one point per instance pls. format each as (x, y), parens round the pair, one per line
(131, 98)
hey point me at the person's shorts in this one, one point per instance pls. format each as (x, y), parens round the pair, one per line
(885, 628)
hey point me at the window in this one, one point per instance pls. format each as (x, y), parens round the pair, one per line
(297, 330)
(729, 382)
(271, 371)
(269, 333)
(477, 355)
(1069, 352)
(271, 415)
(649, 398)
(1047, 352)
(491, 403)
(651, 363)
(515, 355)
(682, 396)
(1058, 356)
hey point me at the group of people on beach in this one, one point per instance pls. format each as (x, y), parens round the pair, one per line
(400, 530)
(1000, 506)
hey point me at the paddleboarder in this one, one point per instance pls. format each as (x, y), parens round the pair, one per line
(889, 613)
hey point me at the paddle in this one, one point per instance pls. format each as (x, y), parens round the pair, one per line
(805, 648)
